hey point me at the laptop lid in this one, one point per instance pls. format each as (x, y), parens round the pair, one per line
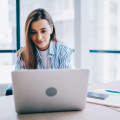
(49, 90)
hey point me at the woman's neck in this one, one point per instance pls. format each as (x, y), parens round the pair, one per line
(45, 47)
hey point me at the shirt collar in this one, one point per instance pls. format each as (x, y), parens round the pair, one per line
(51, 49)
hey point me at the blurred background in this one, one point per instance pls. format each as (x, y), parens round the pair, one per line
(91, 27)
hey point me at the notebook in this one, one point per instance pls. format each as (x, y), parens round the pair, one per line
(112, 99)
(49, 90)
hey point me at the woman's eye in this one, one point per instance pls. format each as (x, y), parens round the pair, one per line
(33, 32)
(43, 31)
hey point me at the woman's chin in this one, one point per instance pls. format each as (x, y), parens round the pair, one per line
(40, 45)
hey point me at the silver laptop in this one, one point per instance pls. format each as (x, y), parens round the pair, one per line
(49, 90)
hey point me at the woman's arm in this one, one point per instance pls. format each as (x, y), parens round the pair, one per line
(20, 62)
(65, 57)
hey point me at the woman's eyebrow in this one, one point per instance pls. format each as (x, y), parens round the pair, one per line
(33, 30)
(40, 29)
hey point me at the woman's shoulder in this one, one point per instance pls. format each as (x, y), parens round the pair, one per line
(63, 49)
(61, 45)
(20, 59)
(20, 53)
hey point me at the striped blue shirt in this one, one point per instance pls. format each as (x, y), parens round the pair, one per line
(59, 56)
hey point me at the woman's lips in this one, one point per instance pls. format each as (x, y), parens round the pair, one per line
(39, 42)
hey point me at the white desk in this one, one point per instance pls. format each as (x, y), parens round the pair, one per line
(91, 112)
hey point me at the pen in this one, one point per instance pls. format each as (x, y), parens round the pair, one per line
(112, 91)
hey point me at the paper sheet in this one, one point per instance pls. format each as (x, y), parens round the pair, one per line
(113, 100)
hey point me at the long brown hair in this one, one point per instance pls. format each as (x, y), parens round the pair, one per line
(29, 51)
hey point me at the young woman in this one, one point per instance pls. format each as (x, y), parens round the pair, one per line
(42, 50)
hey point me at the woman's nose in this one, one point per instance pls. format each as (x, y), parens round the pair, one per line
(39, 36)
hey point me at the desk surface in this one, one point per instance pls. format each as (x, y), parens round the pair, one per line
(91, 112)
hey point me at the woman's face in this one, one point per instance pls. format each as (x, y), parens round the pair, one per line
(40, 33)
